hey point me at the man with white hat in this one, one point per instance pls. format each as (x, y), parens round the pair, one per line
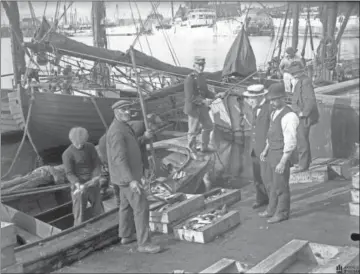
(255, 97)
(285, 63)
(196, 106)
(126, 170)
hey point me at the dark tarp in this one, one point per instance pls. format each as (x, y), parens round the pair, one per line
(240, 60)
(66, 46)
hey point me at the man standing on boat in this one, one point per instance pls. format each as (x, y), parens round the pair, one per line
(82, 167)
(281, 142)
(126, 170)
(197, 101)
(255, 97)
(285, 63)
(304, 105)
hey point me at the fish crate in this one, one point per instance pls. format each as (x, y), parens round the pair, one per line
(354, 209)
(221, 196)
(355, 179)
(206, 226)
(166, 216)
(315, 174)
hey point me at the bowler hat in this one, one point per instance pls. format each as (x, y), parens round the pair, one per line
(276, 90)
(199, 60)
(295, 68)
(290, 50)
(121, 104)
(255, 90)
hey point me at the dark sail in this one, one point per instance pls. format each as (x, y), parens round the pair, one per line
(240, 60)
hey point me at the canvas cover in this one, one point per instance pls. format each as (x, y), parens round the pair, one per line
(240, 60)
(67, 46)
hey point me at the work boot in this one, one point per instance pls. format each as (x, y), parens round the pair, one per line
(277, 219)
(149, 248)
(125, 241)
(257, 204)
(265, 214)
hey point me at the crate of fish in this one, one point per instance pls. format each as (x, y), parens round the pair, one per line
(207, 225)
(221, 196)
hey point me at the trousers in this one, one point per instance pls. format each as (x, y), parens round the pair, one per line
(259, 174)
(90, 193)
(303, 144)
(279, 196)
(134, 215)
(200, 118)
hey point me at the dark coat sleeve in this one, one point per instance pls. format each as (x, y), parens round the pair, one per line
(308, 97)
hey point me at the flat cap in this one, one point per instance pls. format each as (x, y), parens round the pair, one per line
(290, 50)
(120, 104)
(199, 60)
(255, 90)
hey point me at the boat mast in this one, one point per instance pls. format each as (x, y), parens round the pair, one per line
(295, 32)
(17, 51)
(172, 11)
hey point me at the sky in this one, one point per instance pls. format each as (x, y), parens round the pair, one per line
(83, 9)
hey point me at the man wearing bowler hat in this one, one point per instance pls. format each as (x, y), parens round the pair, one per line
(126, 170)
(304, 105)
(281, 142)
(290, 57)
(255, 97)
(197, 101)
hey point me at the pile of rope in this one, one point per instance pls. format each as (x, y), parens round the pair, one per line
(329, 48)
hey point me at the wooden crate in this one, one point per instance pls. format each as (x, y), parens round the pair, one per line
(189, 204)
(208, 233)
(299, 256)
(354, 209)
(355, 196)
(355, 180)
(8, 235)
(342, 167)
(230, 197)
(226, 266)
(315, 174)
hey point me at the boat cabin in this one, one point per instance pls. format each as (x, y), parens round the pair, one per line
(201, 17)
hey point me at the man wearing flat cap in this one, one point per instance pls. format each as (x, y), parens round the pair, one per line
(126, 170)
(304, 105)
(290, 57)
(197, 104)
(280, 143)
(255, 97)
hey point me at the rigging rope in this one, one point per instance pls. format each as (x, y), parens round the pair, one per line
(143, 28)
(134, 22)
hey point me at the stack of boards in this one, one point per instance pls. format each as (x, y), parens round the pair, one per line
(354, 204)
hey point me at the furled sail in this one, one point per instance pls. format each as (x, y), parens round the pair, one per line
(240, 60)
(53, 41)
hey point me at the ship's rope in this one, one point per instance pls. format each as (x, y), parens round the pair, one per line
(25, 134)
(99, 112)
(134, 22)
(328, 45)
(143, 28)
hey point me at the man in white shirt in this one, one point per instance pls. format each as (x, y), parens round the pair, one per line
(285, 63)
(280, 143)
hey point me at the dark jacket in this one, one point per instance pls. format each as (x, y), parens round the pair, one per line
(123, 153)
(195, 87)
(304, 100)
(260, 127)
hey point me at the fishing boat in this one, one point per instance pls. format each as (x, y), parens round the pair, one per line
(46, 238)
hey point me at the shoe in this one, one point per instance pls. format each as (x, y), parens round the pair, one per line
(277, 219)
(125, 241)
(149, 249)
(298, 169)
(265, 214)
(257, 205)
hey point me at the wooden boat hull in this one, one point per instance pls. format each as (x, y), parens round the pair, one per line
(53, 115)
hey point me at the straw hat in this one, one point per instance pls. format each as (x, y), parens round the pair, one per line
(255, 90)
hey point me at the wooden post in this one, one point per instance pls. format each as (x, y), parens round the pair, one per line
(344, 23)
(295, 32)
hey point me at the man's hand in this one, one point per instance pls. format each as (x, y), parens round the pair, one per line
(220, 95)
(263, 155)
(148, 134)
(280, 168)
(135, 186)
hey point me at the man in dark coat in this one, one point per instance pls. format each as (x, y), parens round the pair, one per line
(280, 143)
(304, 105)
(126, 170)
(255, 97)
(197, 101)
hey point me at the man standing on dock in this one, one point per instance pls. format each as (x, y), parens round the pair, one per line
(82, 167)
(197, 101)
(281, 142)
(255, 97)
(285, 63)
(126, 170)
(304, 105)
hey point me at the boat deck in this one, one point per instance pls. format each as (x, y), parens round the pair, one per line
(320, 213)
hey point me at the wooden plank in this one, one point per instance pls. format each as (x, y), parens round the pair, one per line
(318, 174)
(209, 232)
(190, 204)
(27, 222)
(225, 266)
(355, 196)
(7, 256)
(172, 133)
(342, 167)
(15, 268)
(28, 237)
(281, 259)
(229, 197)
(354, 209)
(8, 236)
